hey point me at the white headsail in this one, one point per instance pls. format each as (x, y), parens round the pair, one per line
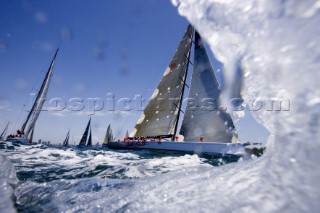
(204, 117)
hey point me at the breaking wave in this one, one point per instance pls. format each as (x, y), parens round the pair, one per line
(276, 47)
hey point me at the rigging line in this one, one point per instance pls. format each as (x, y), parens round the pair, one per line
(184, 82)
(182, 93)
(179, 108)
(27, 99)
(125, 122)
(188, 59)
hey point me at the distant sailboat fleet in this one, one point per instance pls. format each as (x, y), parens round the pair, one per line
(205, 127)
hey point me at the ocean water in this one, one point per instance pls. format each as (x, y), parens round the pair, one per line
(53, 179)
(272, 49)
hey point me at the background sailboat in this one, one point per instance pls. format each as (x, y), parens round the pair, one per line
(66, 140)
(206, 128)
(108, 137)
(86, 139)
(26, 132)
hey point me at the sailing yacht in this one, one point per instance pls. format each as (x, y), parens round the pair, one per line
(86, 141)
(66, 140)
(25, 134)
(4, 132)
(108, 137)
(206, 127)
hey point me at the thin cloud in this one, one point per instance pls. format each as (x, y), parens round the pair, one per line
(20, 84)
(80, 87)
(4, 103)
(58, 114)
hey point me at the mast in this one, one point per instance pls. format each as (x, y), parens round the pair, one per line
(111, 135)
(204, 117)
(182, 93)
(41, 96)
(85, 135)
(159, 118)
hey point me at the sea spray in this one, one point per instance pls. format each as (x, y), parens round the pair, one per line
(7, 180)
(277, 45)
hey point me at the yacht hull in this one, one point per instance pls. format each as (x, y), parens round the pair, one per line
(194, 147)
(18, 140)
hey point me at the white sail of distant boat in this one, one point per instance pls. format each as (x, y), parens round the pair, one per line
(66, 140)
(206, 128)
(111, 138)
(4, 132)
(108, 137)
(86, 139)
(28, 126)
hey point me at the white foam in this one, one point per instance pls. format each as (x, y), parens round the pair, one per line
(7, 180)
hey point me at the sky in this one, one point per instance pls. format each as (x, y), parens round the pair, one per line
(109, 50)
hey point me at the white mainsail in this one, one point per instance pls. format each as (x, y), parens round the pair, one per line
(38, 104)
